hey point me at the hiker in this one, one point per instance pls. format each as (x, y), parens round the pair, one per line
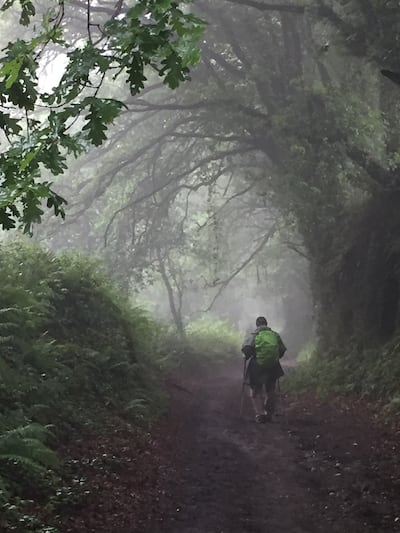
(264, 348)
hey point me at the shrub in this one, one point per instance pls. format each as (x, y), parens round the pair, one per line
(307, 351)
(372, 372)
(212, 339)
(72, 350)
(206, 341)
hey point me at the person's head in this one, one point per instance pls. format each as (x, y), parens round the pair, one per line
(261, 321)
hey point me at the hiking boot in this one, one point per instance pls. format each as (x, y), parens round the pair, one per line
(268, 416)
(261, 419)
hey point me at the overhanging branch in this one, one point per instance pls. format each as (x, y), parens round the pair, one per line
(217, 156)
(261, 6)
(223, 284)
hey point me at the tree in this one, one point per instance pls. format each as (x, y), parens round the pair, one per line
(289, 106)
(43, 126)
(223, 135)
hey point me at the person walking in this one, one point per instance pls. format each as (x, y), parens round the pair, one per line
(264, 349)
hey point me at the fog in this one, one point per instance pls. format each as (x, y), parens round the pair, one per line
(198, 180)
(181, 201)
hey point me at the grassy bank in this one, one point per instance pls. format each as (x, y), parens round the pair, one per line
(73, 353)
(206, 341)
(370, 373)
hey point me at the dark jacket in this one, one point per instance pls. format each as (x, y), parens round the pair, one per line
(249, 352)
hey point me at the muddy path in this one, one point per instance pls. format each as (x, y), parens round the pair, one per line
(232, 475)
(305, 473)
(320, 467)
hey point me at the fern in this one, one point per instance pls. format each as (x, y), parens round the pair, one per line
(71, 347)
(30, 467)
(138, 405)
(27, 445)
(6, 340)
(139, 409)
(4, 491)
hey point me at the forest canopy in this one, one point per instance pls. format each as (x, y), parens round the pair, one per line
(216, 161)
(95, 45)
(254, 179)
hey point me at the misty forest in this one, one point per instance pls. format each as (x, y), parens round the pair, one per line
(170, 171)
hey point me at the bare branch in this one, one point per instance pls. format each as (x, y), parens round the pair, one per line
(296, 248)
(223, 284)
(213, 157)
(150, 106)
(261, 6)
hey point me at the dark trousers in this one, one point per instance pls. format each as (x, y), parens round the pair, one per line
(263, 382)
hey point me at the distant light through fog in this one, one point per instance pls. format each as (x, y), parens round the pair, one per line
(51, 72)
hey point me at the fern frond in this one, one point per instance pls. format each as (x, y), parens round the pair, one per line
(40, 453)
(9, 325)
(139, 406)
(7, 339)
(28, 443)
(29, 465)
(124, 365)
(5, 310)
(30, 431)
(4, 492)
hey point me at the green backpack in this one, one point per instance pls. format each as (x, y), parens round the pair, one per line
(267, 348)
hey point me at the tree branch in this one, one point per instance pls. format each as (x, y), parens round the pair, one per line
(223, 284)
(284, 8)
(374, 169)
(176, 177)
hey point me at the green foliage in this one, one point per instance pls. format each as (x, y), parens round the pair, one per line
(101, 113)
(366, 29)
(206, 342)
(213, 339)
(72, 351)
(27, 444)
(393, 407)
(372, 373)
(307, 352)
(25, 461)
(40, 127)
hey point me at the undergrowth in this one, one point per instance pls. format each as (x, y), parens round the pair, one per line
(372, 373)
(206, 341)
(307, 351)
(73, 354)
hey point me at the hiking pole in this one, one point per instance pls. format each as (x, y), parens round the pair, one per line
(281, 408)
(243, 388)
(279, 396)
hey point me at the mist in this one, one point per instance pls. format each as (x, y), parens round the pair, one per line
(169, 173)
(180, 202)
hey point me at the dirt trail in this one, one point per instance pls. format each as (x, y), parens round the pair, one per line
(228, 475)
(237, 476)
(319, 468)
